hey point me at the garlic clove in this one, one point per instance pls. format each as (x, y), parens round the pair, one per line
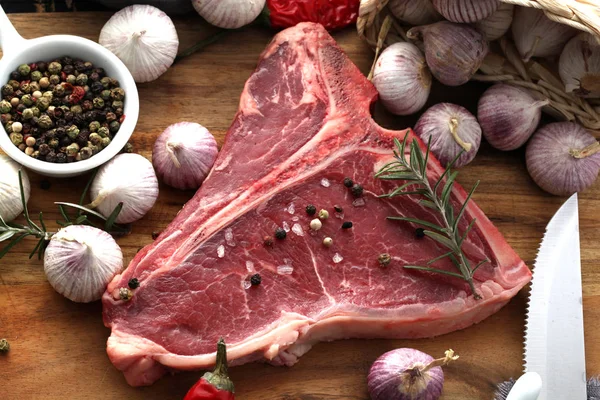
(466, 11)
(563, 158)
(184, 154)
(508, 116)
(414, 12)
(127, 179)
(80, 261)
(229, 14)
(402, 78)
(450, 129)
(579, 66)
(497, 24)
(144, 38)
(454, 52)
(11, 205)
(535, 35)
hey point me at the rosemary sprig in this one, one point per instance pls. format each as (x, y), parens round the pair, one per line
(437, 197)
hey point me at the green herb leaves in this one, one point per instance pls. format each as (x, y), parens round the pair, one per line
(436, 197)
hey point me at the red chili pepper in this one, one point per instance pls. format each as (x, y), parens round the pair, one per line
(214, 385)
(332, 14)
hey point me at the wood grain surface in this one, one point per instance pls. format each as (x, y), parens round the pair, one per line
(58, 347)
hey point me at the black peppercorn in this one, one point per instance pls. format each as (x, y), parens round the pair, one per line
(420, 233)
(348, 182)
(357, 190)
(60, 158)
(44, 184)
(15, 76)
(347, 225)
(155, 235)
(338, 208)
(97, 87)
(133, 283)
(268, 240)
(311, 210)
(51, 157)
(255, 279)
(280, 233)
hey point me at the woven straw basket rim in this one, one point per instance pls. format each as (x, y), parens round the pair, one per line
(378, 28)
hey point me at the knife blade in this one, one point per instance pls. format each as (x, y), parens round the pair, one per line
(554, 340)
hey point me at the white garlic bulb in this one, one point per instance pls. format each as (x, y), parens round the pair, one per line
(184, 154)
(10, 193)
(128, 179)
(80, 261)
(229, 14)
(402, 78)
(497, 24)
(414, 12)
(144, 38)
(579, 66)
(535, 35)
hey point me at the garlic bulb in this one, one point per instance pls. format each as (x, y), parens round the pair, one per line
(184, 154)
(229, 14)
(450, 129)
(11, 205)
(80, 261)
(563, 158)
(579, 66)
(144, 38)
(414, 12)
(465, 11)
(508, 116)
(454, 52)
(129, 179)
(402, 78)
(537, 36)
(497, 24)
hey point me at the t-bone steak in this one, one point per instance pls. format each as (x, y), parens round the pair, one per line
(303, 126)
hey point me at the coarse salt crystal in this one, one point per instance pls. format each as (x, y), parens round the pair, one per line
(297, 229)
(221, 251)
(295, 218)
(250, 266)
(337, 258)
(339, 215)
(325, 182)
(291, 208)
(360, 202)
(285, 269)
(229, 237)
(286, 227)
(247, 284)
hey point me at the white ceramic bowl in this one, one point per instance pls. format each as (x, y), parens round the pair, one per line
(17, 51)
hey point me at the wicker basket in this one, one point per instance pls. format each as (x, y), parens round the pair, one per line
(378, 27)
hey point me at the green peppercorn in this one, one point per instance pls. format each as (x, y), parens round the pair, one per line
(4, 346)
(103, 131)
(54, 68)
(36, 76)
(54, 79)
(44, 82)
(114, 126)
(95, 149)
(105, 142)
(110, 117)
(27, 100)
(35, 154)
(23, 70)
(117, 94)
(36, 111)
(95, 139)
(72, 149)
(5, 106)
(85, 153)
(117, 104)
(59, 90)
(48, 95)
(50, 134)
(25, 88)
(82, 79)
(7, 90)
(72, 79)
(16, 138)
(34, 86)
(15, 84)
(72, 132)
(98, 103)
(43, 103)
(105, 82)
(45, 122)
(27, 114)
(94, 126)
(8, 127)
(105, 94)
(53, 143)
(76, 109)
(128, 148)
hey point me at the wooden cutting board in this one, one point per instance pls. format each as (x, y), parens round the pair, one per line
(58, 347)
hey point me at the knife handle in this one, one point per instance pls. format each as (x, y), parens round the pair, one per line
(528, 387)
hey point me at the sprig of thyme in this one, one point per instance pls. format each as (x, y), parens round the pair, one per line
(14, 233)
(436, 197)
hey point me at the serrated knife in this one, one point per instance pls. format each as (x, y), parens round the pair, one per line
(554, 341)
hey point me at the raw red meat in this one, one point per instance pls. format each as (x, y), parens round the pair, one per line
(302, 127)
